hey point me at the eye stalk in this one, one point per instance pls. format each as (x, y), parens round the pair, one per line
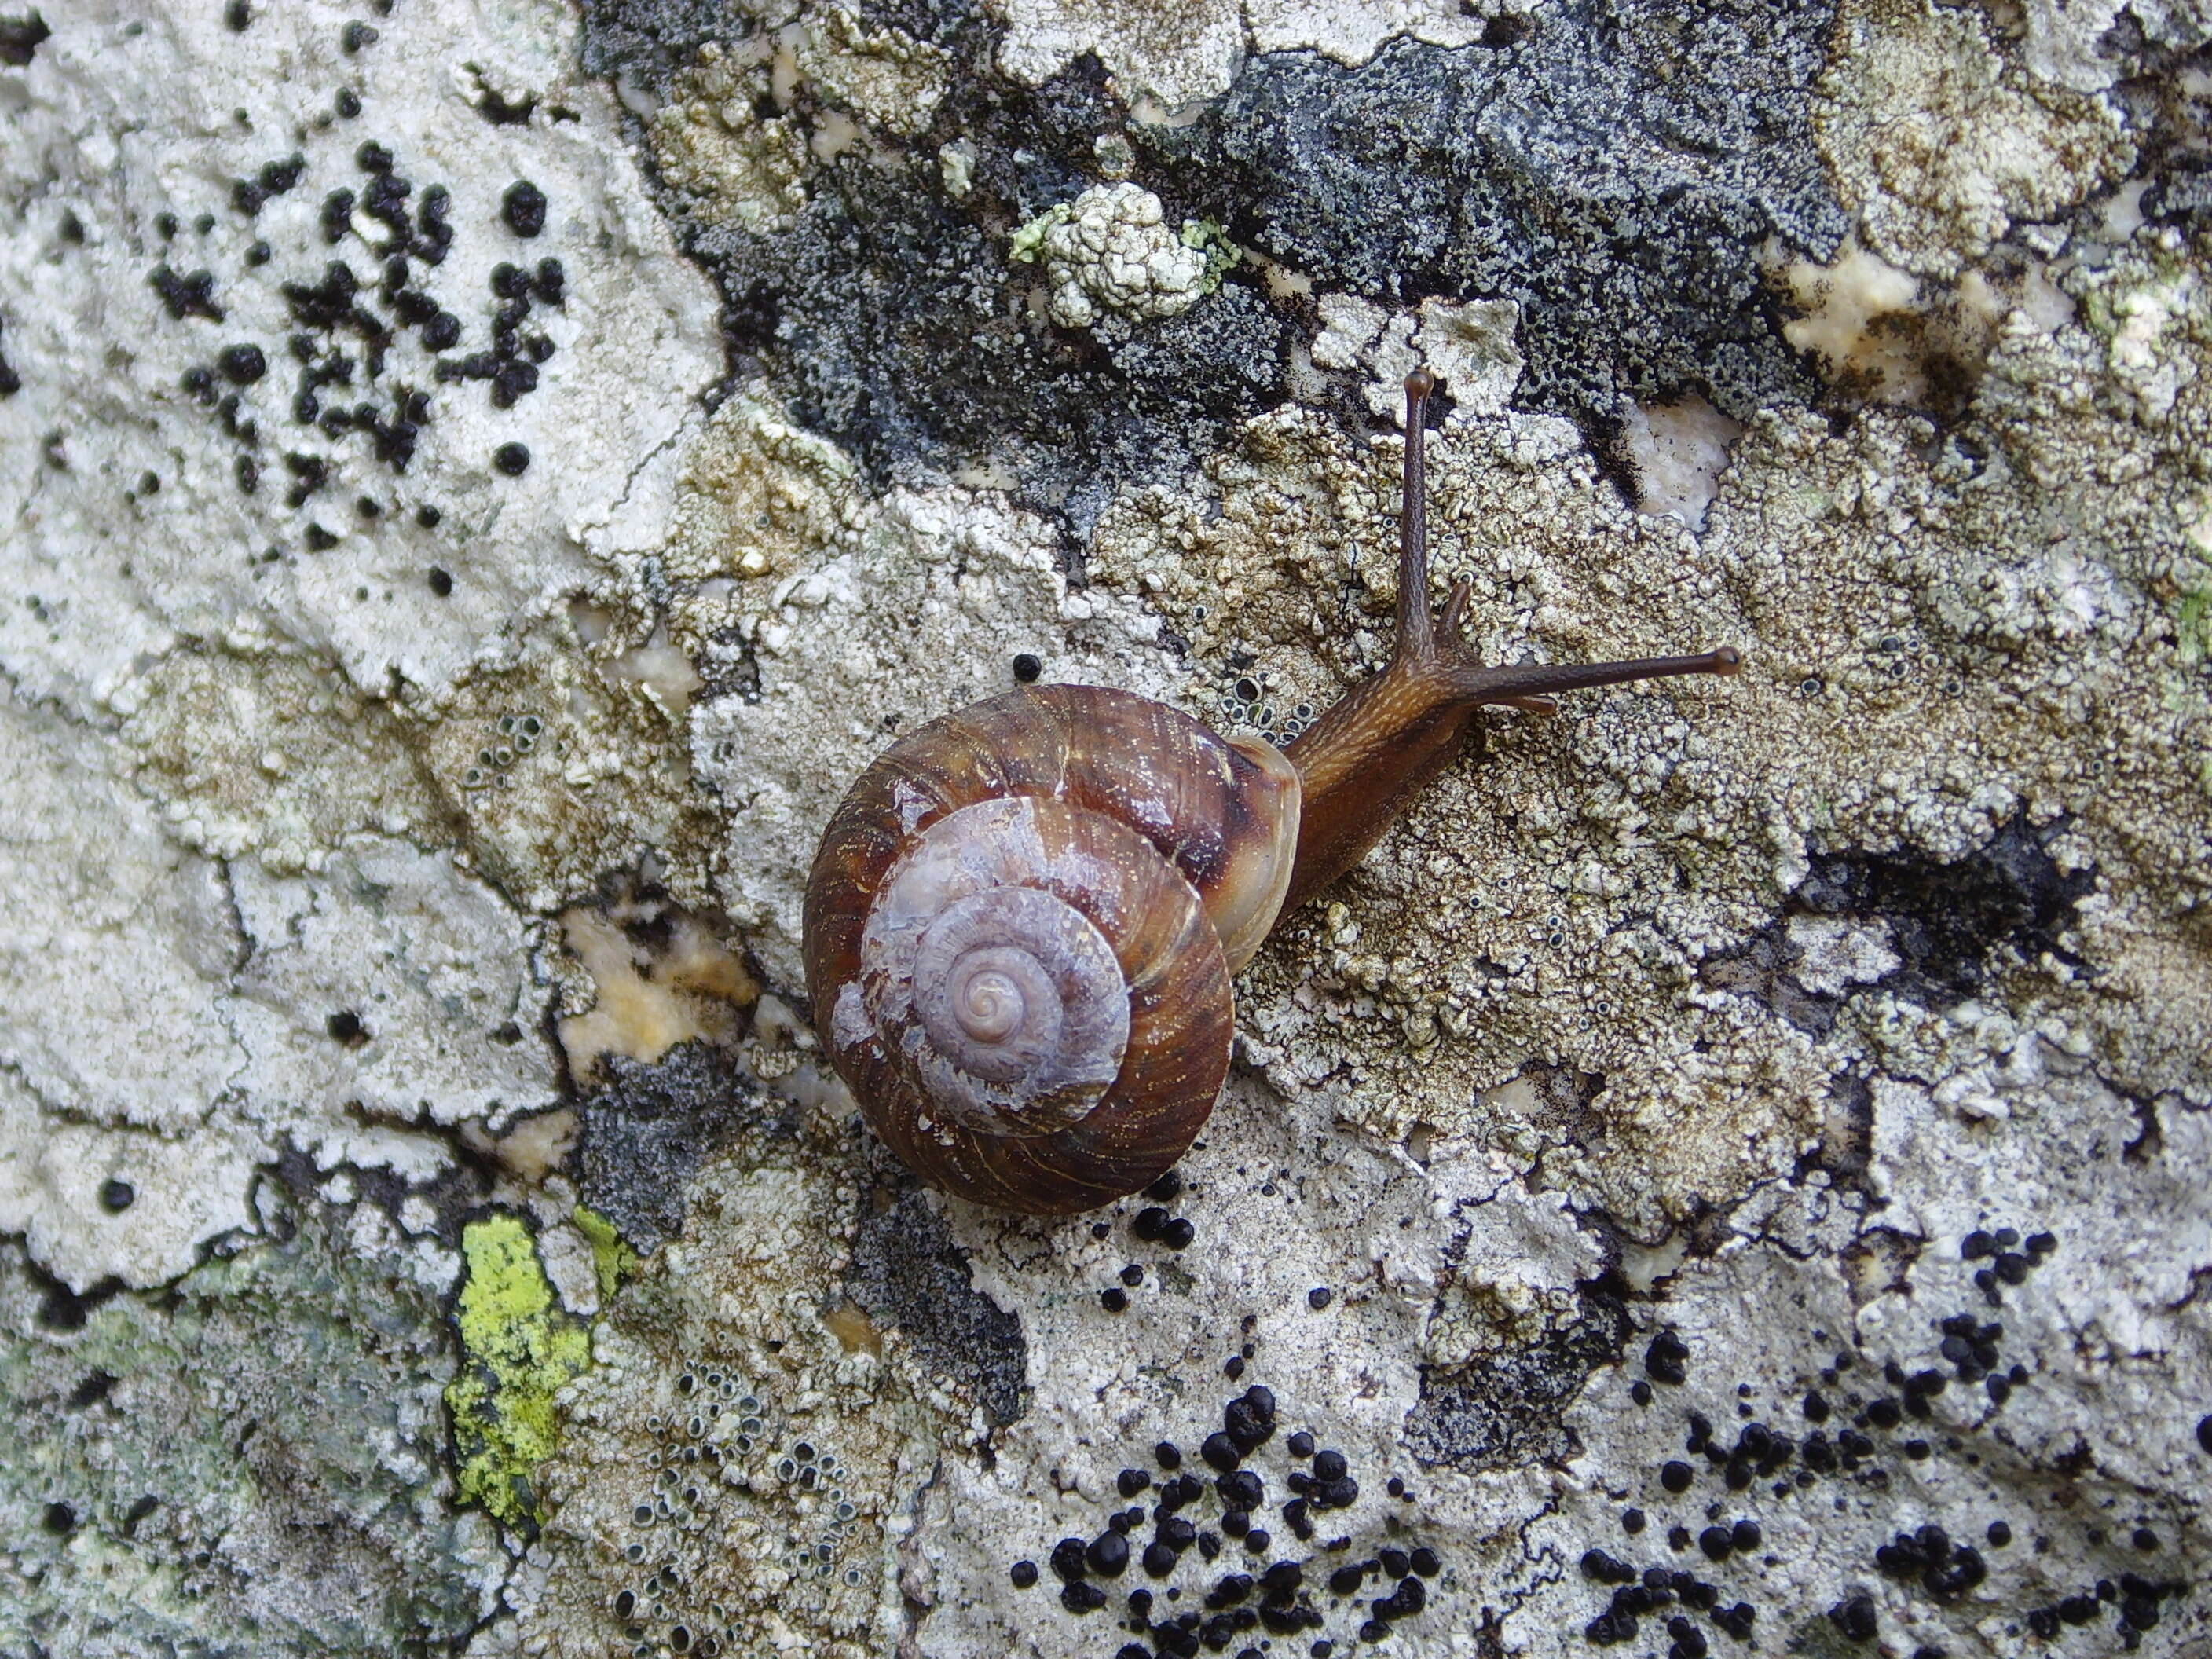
(1362, 762)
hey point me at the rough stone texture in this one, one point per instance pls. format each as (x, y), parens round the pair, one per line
(1755, 1131)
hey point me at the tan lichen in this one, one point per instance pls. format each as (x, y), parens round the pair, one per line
(1937, 640)
(659, 977)
(564, 764)
(264, 748)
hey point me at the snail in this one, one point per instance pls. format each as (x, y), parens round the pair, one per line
(1024, 918)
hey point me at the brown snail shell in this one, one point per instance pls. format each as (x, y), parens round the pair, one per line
(1020, 930)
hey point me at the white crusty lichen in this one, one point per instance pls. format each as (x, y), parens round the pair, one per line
(1110, 251)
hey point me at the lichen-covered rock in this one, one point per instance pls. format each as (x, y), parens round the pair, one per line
(1727, 1172)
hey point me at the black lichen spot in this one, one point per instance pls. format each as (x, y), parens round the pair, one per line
(1027, 667)
(10, 382)
(1855, 1617)
(186, 296)
(523, 207)
(356, 36)
(1666, 1360)
(907, 1271)
(500, 113)
(1507, 1412)
(21, 38)
(441, 582)
(1954, 924)
(345, 1026)
(511, 458)
(117, 1195)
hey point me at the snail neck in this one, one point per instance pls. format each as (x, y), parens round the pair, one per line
(1363, 763)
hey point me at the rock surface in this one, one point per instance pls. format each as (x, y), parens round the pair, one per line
(1729, 1173)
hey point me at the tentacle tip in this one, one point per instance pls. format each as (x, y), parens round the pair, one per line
(1726, 660)
(1421, 383)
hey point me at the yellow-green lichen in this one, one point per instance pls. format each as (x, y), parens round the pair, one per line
(612, 1261)
(517, 1348)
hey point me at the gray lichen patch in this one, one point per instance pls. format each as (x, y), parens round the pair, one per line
(1478, 173)
(1940, 1437)
(168, 1452)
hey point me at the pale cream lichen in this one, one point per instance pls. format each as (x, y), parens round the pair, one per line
(1111, 251)
(888, 79)
(709, 142)
(658, 977)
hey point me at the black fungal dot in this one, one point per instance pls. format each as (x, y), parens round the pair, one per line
(1855, 1617)
(523, 207)
(1082, 1597)
(345, 1026)
(1178, 1234)
(1113, 1299)
(117, 1195)
(60, 1519)
(511, 458)
(347, 102)
(356, 36)
(2204, 1433)
(1167, 1455)
(1675, 1476)
(320, 540)
(1027, 667)
(1664, 1359)
(242, 365)
(1024, 1574)
(1317, 1297)
(237, 15)
(441, 582)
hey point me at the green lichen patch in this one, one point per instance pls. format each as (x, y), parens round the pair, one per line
(517, 1347)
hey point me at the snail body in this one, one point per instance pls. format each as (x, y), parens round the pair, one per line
(1024, 919)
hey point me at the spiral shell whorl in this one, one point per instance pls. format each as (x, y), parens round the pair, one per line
(1004, 1000)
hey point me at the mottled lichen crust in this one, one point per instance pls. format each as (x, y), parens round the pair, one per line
(741, 1460)
(168, 1454)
